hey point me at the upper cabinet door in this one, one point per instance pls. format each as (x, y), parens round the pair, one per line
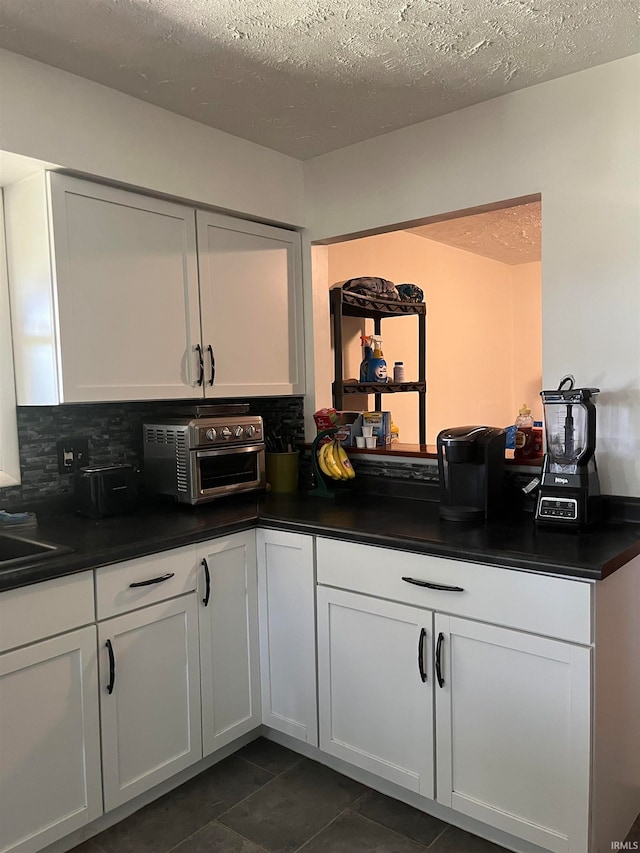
(251, 306)
(104, 289)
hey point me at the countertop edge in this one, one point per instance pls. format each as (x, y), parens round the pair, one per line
(255, 516)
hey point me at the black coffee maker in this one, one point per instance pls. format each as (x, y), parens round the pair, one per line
(471, 468)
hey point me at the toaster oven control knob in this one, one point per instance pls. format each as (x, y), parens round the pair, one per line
(211, 434)
(225, 432)
(237, 431)
(250, 431)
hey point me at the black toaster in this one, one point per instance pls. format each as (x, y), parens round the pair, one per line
(105, 490)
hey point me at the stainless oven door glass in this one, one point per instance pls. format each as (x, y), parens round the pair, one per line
(228, 469)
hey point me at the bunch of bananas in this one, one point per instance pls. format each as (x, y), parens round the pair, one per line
(334, 462)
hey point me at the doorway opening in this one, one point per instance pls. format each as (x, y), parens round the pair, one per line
(481, 274)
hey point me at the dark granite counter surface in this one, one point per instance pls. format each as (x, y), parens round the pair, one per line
(410, 525)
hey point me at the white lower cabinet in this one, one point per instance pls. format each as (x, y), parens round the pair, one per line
(50, 781)
(229, 655)
(49, 740)
(512, 727)
(149, 696)
(513, 731)
(375, 682)
(286, 589)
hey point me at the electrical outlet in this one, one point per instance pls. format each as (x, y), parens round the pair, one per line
(73, 453)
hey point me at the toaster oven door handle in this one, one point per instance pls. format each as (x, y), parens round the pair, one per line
(152, 580)
(220, 451)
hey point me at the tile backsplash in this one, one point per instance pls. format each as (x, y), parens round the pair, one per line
(114, 431)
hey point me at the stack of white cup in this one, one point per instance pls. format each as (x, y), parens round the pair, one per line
(367, 439)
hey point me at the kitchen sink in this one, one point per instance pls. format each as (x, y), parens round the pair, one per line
(16, 550)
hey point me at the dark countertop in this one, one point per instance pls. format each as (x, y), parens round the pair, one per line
(410, 525)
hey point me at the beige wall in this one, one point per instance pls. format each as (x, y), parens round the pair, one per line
(576, 141)
(483, 334)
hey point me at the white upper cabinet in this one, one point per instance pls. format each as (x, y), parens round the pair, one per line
(104, 293)
(107, 293)
(251, 304)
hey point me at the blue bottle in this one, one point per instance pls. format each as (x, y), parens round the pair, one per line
(367, 352)
(377, 363)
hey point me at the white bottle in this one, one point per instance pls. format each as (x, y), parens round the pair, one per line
(398, 371)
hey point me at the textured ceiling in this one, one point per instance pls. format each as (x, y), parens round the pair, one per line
(305, 76)
(512, 235)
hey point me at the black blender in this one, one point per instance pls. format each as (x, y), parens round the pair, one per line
(569, 494)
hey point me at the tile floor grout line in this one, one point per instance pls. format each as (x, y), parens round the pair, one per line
(259, 788)
(259, 847)
(395, 831)
(322, 829)
(230, 829)
(276, 775)
(439, 835)
(187, 837)
(226, 828)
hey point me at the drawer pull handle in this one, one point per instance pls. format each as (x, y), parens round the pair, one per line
(112, 667)
(152, 580)
(200, 379)
(207, 583)
(439, 659)
(430, 585)
(213, 364)
(421, 642)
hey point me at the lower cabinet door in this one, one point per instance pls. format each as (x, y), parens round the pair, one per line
(49, 741)
(286, 590)
(149, 697)
(229, 656)
(375, 681)
(513, 722)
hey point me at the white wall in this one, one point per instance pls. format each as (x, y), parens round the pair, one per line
(576, 141)
(52, 115)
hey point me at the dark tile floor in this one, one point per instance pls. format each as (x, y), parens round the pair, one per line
(267, 799)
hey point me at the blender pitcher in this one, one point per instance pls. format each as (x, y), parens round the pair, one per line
(570, 489)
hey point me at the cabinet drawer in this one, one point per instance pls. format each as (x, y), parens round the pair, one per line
(33, 612)
(136, 583)
(551, 606)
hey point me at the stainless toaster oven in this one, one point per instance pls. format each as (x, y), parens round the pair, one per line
(199, 459)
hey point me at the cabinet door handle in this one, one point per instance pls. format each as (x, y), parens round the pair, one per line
(207, 583)
(213, 364)
(112, 667)
(152, 580)
(439, 659)
(200, 379)
(430, 585)
(421, 642)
